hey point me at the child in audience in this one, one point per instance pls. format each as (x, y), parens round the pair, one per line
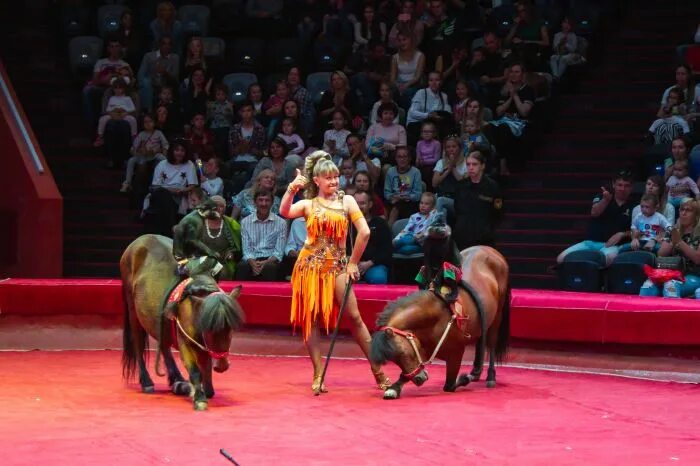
(171, 125)
(335, 139)
(150, 144)
(220, 118)
(459, 108)
(656, 185)
(195, 197)
(119, 107)
(201, 139)
(565, 46)
(428, 151)
(473, 138)
(289, 135)
(347, 172)
(255, 95)
(273, 107)
(209, 180)
(385, 97)
(670, 118)
(410, 239)
(649, 227)
(402, 186)
(680, 185)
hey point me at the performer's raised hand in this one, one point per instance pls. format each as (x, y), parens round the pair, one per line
(298, 183)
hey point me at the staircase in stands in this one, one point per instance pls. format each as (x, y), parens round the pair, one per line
(596, 131)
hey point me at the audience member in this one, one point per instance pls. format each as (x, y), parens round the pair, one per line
(528, 36)
(648, 227)
(347, 173)
(210, 181)
(656, 185)
(685, 82)
(407, 66)
(402, 187)
(244, 203)
(335, 139)
(361, 158)
(158, 68)
(441, 29)
(388, 134)
(264, 236)
(196, 95)
(246, 143)
(385, 97)
(363, 182)
(680, 185)
(565, 49)
(406, 23)
(430, 104)
(273, 107)
(285, 170)
(131, 38)
(194, 57)
(428, 152)
(291, 138)
(119, 107)
(104, 70)
(376, 259)
(167, 24)
(671, 121)
(459, 109)
(255, 96)
(303, 99)
(410, 239)
(220, 118)
(338, 98)
(150, 144)
(368, 29)
(447, 170)
(295, 241)
(200, 138)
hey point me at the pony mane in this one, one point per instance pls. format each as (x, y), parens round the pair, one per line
(391, 308)
(220, 312)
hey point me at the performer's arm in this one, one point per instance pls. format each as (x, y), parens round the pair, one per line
(358, 220)
(289, 210)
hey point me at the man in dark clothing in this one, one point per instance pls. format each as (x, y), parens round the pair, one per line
(376, 260)
(611, 218)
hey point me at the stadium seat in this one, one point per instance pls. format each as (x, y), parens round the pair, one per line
(329, 54)
(194, 19)
(238, 84)
(83, 52)
(626, 273)
(403, 260)
(317, 84)
(581, 271)
(108, 17)
(248, 54)
(285, 53)
(74, 21)
(214, 47)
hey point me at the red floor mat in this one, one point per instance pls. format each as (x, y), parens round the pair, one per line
(72, 408)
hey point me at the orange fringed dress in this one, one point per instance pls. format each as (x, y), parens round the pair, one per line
(320, 261)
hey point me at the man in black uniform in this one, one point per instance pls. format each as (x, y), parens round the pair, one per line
(478, 205)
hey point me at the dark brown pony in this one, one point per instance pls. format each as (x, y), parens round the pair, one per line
(200, 323)
(411, 328)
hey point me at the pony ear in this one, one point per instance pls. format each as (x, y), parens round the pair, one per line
(236, 292)
(389, 332)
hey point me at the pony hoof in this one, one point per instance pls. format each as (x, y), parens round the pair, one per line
(464, 380)
(200, 405)
(474, 377)
(148, 389)
(490, 383)
(391, 394)
(181, 388)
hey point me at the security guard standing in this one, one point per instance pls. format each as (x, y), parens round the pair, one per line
(478, 205)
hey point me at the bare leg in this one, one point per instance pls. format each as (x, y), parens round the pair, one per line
(313, 346)
(358, 328)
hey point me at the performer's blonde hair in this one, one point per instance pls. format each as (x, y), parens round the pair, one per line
(318, 163)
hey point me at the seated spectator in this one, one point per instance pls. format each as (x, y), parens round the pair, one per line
(442, 30)
(528, 36)
(386, 134)
(169, 122)
(369, 28)
(517, 101)
(410, 238)
(385, 97)
(194, 57)
(243, 202)
(220, 119)
(200, 139)
(173, 178)
(209, 180)
(408, 23)
(104, 71)
(430, 104)
(478, 205)
(671, 119)
(150, 144)
(285, 170)
(402, 187)
(460, 104)
(452, 62)
(474, 139)
(360, 155)
(264, 236)
(685, 82)
(683, 243)
(680, 185)
(292, 139)
(371, 69)
(167, 24)
(301, 95)
(476, 112)
(335, 139)
(492, 71)
(610, 220)
(273, 107)
(339, 98)
(347, 173)
(657, 186)
(119, 107)
(447, 170)
(407, 66)
(196, 95)
(195, 197)
(376, 258)
(131, 38)
(246, 143)
(565, 51)
(295, 241)
(648, 228)
(255, 96)
(363, 182)
(428, 152)
(158, 68)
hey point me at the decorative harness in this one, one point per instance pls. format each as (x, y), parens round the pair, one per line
(446, 286)
(176, 296)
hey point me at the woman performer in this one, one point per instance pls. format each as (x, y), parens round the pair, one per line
(322, 269)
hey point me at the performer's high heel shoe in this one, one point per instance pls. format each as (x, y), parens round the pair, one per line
(317, 387)
(383, 382)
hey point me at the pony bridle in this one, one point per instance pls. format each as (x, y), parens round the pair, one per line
(411, 337)
(203, 347)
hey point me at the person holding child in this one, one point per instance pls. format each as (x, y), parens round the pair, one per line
(410, 239)
(150, 144)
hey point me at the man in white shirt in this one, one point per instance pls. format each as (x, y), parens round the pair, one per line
(264, 235)
(157, 68)
(428, 104)
(104, 70)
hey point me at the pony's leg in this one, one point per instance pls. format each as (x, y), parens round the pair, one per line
(139, 337)
(176, 381)
(205, 365)
(491, 341)
(189, 359)
(451, 371)
(394, 391)
(478, 365)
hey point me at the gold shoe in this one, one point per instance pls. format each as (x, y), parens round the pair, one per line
(383, 382)
(317, 387)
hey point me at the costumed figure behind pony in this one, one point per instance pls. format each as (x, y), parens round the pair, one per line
(322, 269)
(207, 242)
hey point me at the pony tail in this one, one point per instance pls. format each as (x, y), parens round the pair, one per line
(311, 190)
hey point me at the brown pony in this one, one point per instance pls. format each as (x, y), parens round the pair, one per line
(200, 322)
(414, 330)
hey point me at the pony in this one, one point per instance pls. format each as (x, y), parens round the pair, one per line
(194, 316)
(416, 329)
